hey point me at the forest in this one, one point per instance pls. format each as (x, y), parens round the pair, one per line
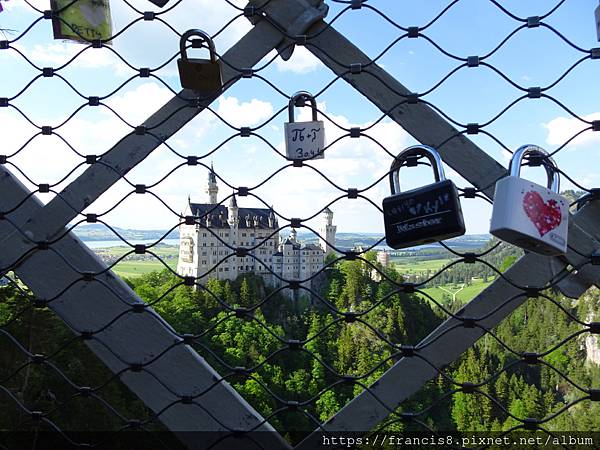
(313, 352)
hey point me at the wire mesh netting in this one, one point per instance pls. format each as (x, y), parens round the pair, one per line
(250, 326)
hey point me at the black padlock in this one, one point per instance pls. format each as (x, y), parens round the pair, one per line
(201, 75)
(427, 214)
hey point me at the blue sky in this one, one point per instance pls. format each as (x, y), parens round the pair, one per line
(532, 57)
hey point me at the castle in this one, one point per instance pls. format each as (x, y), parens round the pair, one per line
(203, 254)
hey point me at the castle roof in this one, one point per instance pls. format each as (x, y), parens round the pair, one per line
(219, 214)
(311, 247)
(294, 244)
(297, 246)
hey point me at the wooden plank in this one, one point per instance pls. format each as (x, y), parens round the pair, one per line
(408, 375)
(575, 285)
(135, 338)
(419, 120)
(133, 149)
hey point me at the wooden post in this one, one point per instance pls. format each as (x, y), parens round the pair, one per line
(135, 338)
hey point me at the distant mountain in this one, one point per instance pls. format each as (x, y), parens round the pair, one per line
(344, 241)
(99, 232)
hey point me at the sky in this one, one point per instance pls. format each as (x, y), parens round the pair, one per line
(531, 57)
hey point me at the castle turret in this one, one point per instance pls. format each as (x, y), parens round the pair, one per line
(327, 231)
(232, 213)
(294, 235)
(212, 189)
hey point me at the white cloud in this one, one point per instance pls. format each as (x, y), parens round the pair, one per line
(561, 129)
(349, 163)
(154, 42)
(241, 114)
(11, 6)
(47, 159)
(59, 53)
(301, 62)
(137, 104)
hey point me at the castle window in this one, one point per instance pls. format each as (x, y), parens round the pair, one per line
(243, 234)
(203, 234)
(204, 262)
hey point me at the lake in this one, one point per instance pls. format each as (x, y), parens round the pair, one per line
(118, 243)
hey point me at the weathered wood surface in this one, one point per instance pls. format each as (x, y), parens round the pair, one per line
(135, 338)
(419, 120)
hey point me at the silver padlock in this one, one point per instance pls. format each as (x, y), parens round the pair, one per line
(530, 216)
(201, 75)
(304, 140)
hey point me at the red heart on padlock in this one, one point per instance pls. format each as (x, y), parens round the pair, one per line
(545, 216)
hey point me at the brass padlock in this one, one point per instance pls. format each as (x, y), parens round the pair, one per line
(200, 75)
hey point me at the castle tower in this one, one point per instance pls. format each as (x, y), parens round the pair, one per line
(233, 216)
(294, 235)
(327, 231)
(212, 189)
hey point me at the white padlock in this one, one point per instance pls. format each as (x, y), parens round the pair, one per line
(530, 216)
(304, 140)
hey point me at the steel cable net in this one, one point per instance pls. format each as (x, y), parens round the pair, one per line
(297, 349)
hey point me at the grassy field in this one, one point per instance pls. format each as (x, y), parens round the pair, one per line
(134, 266)
(465, 295)
(132, 269)
(159, 250)
(409, 265)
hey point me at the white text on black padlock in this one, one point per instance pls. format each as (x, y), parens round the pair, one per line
(304, 140)
(427, 214)
(528, 215)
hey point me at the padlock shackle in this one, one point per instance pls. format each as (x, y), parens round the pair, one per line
(548, 163)
(417, 151)
(585, 199)
(294, 101)
(202, 34)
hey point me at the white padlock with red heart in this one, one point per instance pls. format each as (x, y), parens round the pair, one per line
(530, 216)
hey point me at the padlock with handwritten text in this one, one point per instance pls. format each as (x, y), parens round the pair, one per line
(426, 214)
(201, 75)
(528, 215)
(304, 140)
